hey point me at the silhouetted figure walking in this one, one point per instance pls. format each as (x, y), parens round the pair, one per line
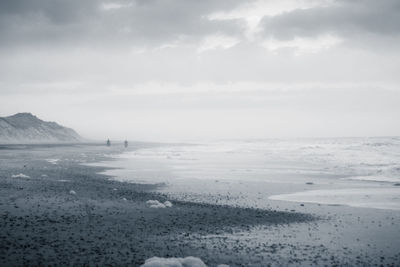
(108, 142)
(126, 143)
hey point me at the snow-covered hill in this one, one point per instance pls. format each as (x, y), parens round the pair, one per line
(27, 128)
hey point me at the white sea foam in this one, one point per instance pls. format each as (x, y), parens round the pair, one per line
(375, 179)
(327, 163)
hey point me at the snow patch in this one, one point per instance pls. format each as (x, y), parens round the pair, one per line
(174, 262)
(157, 204)
(21, 175)
(168, 204)
(52, 161)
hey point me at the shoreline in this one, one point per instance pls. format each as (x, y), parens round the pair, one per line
(301, 181)
(350, 235)
(64, 212)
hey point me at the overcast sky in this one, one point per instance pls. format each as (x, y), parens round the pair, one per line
(188, 69)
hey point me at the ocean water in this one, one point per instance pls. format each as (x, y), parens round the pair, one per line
(359, 172)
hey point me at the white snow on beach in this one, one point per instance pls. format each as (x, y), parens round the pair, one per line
(174, 262)
(21, 175)
(53, 161)
(168, 204)
(157, 204)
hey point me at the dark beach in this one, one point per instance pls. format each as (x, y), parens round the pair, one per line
(44, 224)
(105, 222)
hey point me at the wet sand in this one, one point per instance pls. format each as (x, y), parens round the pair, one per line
(342, 235)
(65, 213)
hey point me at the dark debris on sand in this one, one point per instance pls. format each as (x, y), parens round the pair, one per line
(107, 222)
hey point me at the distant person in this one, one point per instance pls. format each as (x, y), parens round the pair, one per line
(108, 142)
(126, 143)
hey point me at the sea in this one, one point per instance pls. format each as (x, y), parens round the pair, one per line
(264, 173)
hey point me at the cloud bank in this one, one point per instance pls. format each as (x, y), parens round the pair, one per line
(178, 68)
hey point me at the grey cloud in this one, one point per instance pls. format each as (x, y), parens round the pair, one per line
(25, 22)
(343, 17)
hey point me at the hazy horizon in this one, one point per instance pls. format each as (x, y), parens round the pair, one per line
(189, 139)
(204, 70)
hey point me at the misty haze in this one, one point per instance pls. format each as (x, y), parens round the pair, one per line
(186, 133)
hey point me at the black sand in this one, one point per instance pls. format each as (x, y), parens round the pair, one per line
(42, 223)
